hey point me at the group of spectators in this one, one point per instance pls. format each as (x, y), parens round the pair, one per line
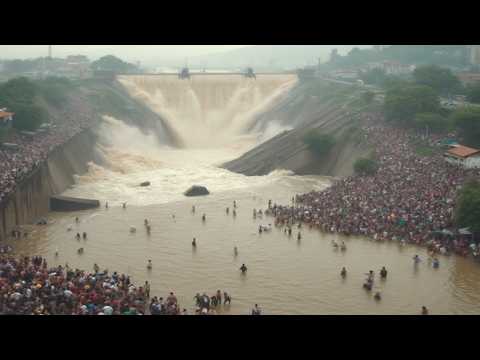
(29, 287)
(409, 199)
(32, 150)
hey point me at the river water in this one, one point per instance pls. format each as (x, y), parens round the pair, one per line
(285, 276)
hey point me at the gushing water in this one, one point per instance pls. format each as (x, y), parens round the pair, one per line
(209, 110)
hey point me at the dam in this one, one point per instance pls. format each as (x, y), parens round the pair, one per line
(217, 118)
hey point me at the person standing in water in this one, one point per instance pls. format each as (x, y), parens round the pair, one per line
(299, 236)
(124, 205)
(204, 218)
(147, 289)
(383, 273)
(194, 243)
(227, 210)
(424, 310)
(243, 269)
(193, 209)
(234, 204)
(106, 205)
(149, 266)
(234, 213)
(235, 251)
(343, 273)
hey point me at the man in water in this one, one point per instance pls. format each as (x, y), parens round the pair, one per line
(228, 210)
(424, 310)
(226, 298)
(145, 222)
(106, 205)
(343, 273)
(84, 236)
(416, 259)
(243, 269)
(299, 236)
(194, 243)
(204, 217)
(124, 205)
(77, 220)
(193, 209)
(234, 213)
(149, 266)
(147, 289)
(78, 236)
(256, 310)
(235, 251)
(234, 204)
(96, 268)
(383, 273)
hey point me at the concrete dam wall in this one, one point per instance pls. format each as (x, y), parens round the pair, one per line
(31, 199)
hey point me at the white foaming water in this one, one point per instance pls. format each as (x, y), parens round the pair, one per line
(209, 110)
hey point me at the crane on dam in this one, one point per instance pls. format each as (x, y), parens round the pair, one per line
(184, 74)
(249, 73)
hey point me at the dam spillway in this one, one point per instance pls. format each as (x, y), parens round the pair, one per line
(210, 110)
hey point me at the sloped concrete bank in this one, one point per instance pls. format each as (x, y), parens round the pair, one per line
(31, 199)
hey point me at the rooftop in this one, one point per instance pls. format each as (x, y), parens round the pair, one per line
(5, 114)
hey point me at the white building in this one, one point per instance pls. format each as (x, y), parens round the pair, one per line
(463, 156)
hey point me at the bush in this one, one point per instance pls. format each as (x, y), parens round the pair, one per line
(365, 166)
(473, 93)
(28, 117)
(319, 144)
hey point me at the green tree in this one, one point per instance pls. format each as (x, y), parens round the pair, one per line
(404, 102)
(18, 91)
(431, 121)
(365, 166)
(473, 93)
(467, 121)
(28, 117)
(112, 63)
(439, 79)
(319, 144)
(467, 211)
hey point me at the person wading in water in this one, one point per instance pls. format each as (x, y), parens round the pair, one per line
(243, 269)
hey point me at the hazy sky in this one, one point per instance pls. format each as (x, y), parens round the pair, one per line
(144, 53)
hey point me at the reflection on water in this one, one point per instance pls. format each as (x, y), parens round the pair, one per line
(285, 276)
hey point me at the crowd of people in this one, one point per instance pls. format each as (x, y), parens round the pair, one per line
(408, 199)
(29, 287)
(32, 150)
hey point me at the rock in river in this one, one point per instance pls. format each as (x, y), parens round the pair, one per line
(145, 184)
(197, 191)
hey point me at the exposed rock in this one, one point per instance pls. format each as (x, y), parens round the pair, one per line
(145, 184)
(197, 191)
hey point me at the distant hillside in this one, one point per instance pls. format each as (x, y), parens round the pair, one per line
(266, 57)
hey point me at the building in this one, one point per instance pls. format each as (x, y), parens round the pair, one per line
(463, 156)
(6, 118)
(392, 67)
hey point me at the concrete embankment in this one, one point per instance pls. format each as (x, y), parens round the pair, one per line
(31, 199)
(288, 150)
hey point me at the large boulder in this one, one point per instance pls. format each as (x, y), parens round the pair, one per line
(197, 191)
